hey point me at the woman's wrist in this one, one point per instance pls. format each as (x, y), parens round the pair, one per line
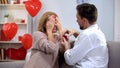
(50, 36)
(49, 31)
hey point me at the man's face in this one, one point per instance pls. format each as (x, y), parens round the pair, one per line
(80, 21)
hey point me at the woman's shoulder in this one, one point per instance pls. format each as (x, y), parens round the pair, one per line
(39, 34)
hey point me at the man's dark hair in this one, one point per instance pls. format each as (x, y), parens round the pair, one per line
(88, 11)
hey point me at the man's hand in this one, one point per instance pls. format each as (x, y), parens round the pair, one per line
(71, 32)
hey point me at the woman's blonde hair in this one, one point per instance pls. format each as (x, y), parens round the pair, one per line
(43, 20)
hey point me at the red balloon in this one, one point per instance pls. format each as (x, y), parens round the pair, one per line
(27, 41)
(16, 54)
(33, 7)
(10, 30)
(11, 53)
(2, 36)
(35, 0)
(22, 53)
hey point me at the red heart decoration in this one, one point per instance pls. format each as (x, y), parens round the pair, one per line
(33, 7)
(12, 53)
(22, 53)
(16, 54)
(27, 41)
(35, 0)
(2, 36)
(10, 30)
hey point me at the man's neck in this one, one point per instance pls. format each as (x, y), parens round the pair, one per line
(88, 24)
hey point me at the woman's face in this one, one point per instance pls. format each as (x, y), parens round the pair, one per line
(53, 17)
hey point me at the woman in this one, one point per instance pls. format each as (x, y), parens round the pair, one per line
(46, 43)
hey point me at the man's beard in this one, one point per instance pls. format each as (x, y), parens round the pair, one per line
(81, 27)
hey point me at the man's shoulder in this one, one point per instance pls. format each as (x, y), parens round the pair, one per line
(93, 33)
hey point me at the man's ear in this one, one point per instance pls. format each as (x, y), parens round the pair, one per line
(85, 20)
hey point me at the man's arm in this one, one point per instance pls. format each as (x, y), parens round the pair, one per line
(78, 52)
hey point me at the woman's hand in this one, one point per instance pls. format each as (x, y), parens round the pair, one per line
(49, 27)
(66, 44)
(58, 24)
(50, 24)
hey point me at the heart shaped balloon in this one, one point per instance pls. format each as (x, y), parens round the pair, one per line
(27, 41)
(35, 0)
(10, 30)
(2, 36)
(33, 7)
(16, 54)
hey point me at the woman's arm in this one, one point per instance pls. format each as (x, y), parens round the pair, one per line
(49, 27)
(42, 43)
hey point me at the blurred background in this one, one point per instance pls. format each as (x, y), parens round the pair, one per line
(108, 15)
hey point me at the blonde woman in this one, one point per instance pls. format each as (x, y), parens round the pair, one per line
(46, 43)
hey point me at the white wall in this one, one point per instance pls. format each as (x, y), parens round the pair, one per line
(117, 21)
(66, 10)
(105, 16)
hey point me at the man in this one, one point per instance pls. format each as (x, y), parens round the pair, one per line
(90, 48)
